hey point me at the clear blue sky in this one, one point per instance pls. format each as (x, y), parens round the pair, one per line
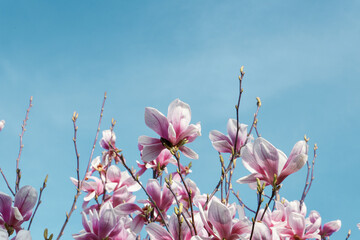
(301, 58)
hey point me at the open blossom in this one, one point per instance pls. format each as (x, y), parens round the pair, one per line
(263, 161)
(2, 124)
(105, 224)
(226, 144)
(174, 130)
(14, 216)
(220, 223)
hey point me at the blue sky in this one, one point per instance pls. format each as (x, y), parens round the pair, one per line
(301, 58)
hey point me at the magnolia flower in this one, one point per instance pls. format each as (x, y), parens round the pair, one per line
(264, 161)
(107, 139)
(183, 232)
(220, 223)
(2, 124)
(13, 217)
(226, 144)
(174, 130)
(163, 198)
(329, 228)
(93, 189)
(104, 224)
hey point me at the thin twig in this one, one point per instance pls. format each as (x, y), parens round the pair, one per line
(348, 235)
(177, 156)
(18, 172)
(307, 183)
(78, 189)
(97, 133)
(39, 201)
(7, 183)
(260, 200)
(178, 204)
(233, 155)
(241, 202)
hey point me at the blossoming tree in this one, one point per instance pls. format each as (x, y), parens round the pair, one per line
(174, 207)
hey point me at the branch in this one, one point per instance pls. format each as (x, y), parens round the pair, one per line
(39, 201)
(18, 172)
(97, 133)
(7, 183)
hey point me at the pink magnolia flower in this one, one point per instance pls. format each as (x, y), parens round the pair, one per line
(163, 198)
(174, 130)
(220, 223)
(226, 144)
(105, 224)
(263, 161)
(116, 179)
(329, 228)
(93, 189)
(107, 139)
(157, 232)
(2, 124)
(14, 216)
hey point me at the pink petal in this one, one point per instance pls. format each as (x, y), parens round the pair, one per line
(249, 178)
(2, 124)
(249, 161)
(330, 227)
(106, 223)
(157, 232)
(190, 133)
(113, 174)
(179, 114)
(220, 218)
(137, 224)
(189, 152)
(25, 199)
(23, 235)
(157, 122)
(127, 208)
(261, 232)
(5, 206)
(293, 165)
(220, 142)
(267, 157)
(297, 223)
(154, 189)
(151, 152)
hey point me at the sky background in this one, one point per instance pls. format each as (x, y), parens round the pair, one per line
(300, 57)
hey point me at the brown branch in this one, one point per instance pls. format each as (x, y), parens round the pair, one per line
(97, 133)
(241, 202)
(18, 172)
(177, 156)
(78, 189)
(39, 201)
(7, 183)
(178, 204)
(307, 183)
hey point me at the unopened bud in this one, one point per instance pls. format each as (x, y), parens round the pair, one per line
(258, 101)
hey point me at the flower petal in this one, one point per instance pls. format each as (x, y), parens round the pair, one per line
(25, 199)
(189, 152)
(179, 114)
(156, 121)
